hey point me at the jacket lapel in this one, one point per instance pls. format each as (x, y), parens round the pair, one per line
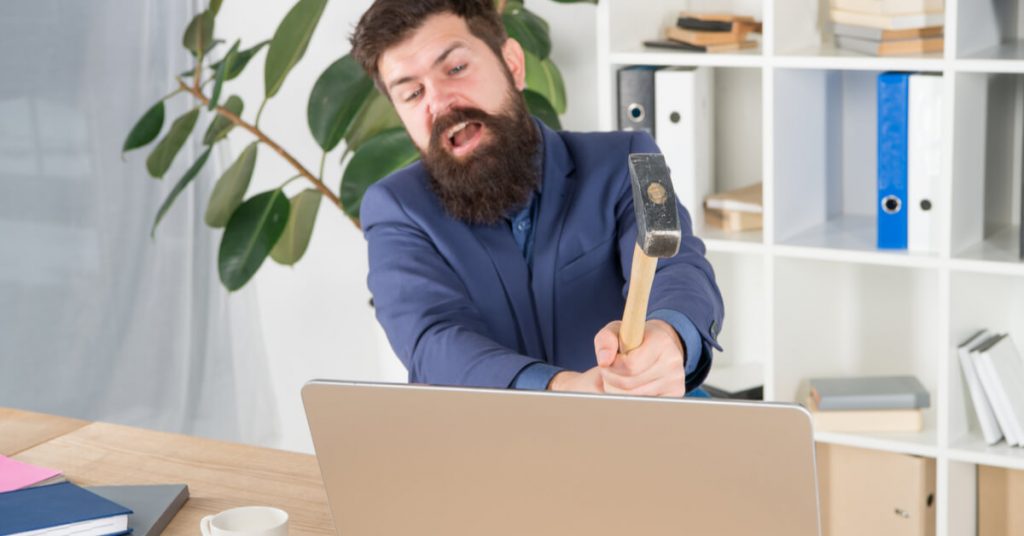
(511, 267)
(557, 188)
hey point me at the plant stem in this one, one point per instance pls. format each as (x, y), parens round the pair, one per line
(287, 182)
(322, 160)
(260, 112)
(268, 142)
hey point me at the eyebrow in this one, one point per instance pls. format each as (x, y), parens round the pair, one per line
(443, 56)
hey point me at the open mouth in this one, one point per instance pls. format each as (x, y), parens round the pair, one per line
(464, 137)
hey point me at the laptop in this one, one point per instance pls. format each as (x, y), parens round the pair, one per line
(411, 459)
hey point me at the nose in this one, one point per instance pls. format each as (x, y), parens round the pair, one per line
(441, 100)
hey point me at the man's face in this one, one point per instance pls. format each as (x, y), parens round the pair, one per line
(459, 103)
(442, 67)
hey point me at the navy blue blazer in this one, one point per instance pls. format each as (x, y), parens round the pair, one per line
(458, 302)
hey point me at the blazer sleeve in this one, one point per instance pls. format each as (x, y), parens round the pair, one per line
(423, 306)
(684, 283)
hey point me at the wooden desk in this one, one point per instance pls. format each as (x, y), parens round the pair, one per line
(20, 430)
(219, 475)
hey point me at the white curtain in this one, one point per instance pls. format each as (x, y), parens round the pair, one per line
(97, 320)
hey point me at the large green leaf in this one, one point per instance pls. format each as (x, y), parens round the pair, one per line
(543, 77)
(230, 188)
(540, 107)
(237, 66)
(215, 6)
(336, 98)
(222, 69)
(199, 34)
(185, 180)
(293, 242)
(250, 235)
(530, 30)
(289, 42)
(379, 156)
(220, 126)
(160, 159)
(375, 116)
(146, 129)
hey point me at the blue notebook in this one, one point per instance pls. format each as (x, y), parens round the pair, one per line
(48, 507)
(893, 93)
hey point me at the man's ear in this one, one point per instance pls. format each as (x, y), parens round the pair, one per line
(515, 60)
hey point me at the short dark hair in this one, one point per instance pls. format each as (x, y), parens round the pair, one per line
(388, 22)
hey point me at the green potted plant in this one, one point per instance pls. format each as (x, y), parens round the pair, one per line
(343, 106)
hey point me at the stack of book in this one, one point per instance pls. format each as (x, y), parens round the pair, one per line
(867, 404)
(710, 32)
(994, 373)
(888, 27)
(735, 210)
(36, 500)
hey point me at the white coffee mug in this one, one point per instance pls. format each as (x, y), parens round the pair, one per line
(246, 521)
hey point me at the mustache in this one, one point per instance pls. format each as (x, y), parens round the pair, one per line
(456, 116)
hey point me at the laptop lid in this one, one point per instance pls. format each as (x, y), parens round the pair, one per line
(409, 459)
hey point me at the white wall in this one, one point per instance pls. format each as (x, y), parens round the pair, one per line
(316, 321)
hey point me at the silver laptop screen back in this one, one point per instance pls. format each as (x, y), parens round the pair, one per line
(427, 460)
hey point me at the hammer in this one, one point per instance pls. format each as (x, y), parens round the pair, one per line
(657, 235)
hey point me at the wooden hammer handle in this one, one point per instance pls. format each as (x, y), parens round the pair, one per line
(634, 319)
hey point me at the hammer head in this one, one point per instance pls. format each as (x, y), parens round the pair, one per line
(657, 219)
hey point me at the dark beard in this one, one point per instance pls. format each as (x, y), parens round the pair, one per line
(499, 176)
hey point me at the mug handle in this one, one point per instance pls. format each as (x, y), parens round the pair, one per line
(205, 526)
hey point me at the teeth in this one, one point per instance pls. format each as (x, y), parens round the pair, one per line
(456, 129)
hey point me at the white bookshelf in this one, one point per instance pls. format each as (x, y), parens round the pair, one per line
(810, 295)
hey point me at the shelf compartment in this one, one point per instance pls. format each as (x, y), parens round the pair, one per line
(988, 156)
(837, 319)
(632, 23)
(989, 30)
(825, 161)
(804, 29)
(972, 448)
(741, 280)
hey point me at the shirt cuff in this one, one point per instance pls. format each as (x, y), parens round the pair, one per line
(687, 333)
(535, 376)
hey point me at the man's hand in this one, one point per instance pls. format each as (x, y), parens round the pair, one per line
(655, 368)
(580, 382)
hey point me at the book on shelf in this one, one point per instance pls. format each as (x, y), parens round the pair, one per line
(694, 37)
(901, 21)
(710, 32)
(869, 392)
(710, 49)
(924, 160)
(889, 7)
(878, 34)
(901, 47)
(746, 199)
(979, 399)
(684, 130)
(892, 110)
(736, 210)
(733, 222)
(153, 506)
(60, 510)
(1001, 372)
(866, 420)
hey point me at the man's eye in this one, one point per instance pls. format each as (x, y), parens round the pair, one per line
(413, 95)
(457, 69)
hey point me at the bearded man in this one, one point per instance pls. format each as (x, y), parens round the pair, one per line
(497, 257)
